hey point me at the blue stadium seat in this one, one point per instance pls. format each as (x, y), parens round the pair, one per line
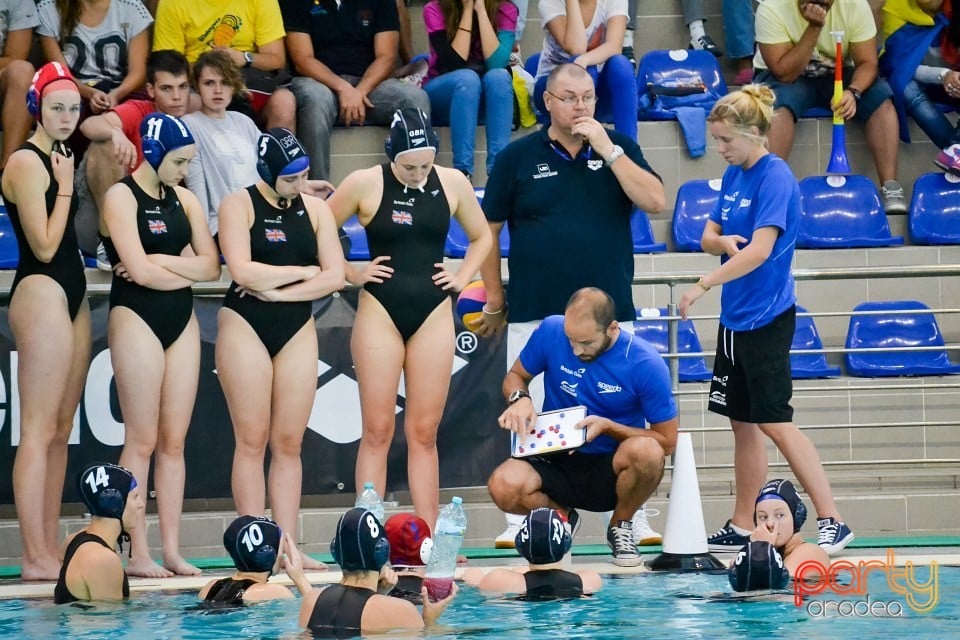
(809, 365)
(935, 209)
(359, 250)
(679, 69)
(695, 200)
(643, 240)
(896, 330)
(649, 327)
(457, 243)
(9, 253)
(842, 211)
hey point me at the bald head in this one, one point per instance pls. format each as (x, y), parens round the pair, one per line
(567, 71)
(593, 303)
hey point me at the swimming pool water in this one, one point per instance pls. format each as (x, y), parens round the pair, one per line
(635, 606)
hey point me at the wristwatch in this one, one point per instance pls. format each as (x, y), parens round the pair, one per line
(856, 93)
(516, 395)
(616, 153)
(248, 58)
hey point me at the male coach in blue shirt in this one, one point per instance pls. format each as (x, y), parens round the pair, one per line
(586, 359)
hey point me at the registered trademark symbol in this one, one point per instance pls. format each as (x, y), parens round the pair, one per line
(467, 342)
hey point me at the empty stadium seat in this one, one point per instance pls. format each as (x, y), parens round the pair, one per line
(842, 211)
(9, 253)
(457, 243)
(642, 232)
(695, 200)
(654, 330)
(357, 235)
(896, 330)
(934, 216)
(678, 72)
(809, 365)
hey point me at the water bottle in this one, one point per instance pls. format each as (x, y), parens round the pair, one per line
(370, 500)
(447, 538)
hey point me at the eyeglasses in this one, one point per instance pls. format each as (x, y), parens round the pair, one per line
(588, 99)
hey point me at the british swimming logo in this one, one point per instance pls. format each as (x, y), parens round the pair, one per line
(401, 217)
(569, 387)
(845, 578)
(275, 235)
(157, 227)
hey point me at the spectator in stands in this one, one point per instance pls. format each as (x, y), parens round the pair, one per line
(470, 44)
(283, 251)
(596, 46)
(48, 315)
(251, 33)
(343, 65)
(754, 231)
(226, 158)
(159, 245)
(404, 323)
(694, 16)
(920, 61)
(115, 134)
(540, 186)
(16, 36)
(797, 58)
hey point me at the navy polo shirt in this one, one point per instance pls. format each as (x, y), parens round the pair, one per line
(342, 35)
(569, 223)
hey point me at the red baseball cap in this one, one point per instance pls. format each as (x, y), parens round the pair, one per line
(410, 541)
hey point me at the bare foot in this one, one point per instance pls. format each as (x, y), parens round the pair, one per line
(147, 568)
(44, 570)
(309, 564)
(461, 559)
(180, 566)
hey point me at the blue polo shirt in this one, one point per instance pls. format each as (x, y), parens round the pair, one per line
(765, 195)
(629, 383)
(569, 223)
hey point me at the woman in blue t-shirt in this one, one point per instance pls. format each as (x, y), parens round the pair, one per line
(754, 229)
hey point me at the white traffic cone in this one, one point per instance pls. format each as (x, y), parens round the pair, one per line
(685, 538)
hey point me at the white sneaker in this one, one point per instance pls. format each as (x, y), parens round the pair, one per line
(103, 262)
(506, 539)
(643, 535)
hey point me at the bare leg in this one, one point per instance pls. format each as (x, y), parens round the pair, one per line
(429, 360)
(138, 366)
(177, 397)
(103, 171)
(884, 145)
(517, 488)
(804, 461)
(749, 470)
(15, 79)
(781, 132)
(638, 464)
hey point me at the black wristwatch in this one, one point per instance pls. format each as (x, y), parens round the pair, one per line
(856, 93)
(248, 59)
(516, 395)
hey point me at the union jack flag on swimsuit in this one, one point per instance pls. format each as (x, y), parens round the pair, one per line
(157, 226)
(401, 217)
(275, 235)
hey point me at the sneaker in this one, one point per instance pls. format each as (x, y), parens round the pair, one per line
(949, 159)
(832, 535)
(620, 540)
(103, 262)
(727, 539)
(506, 539)
(893, 200)
(707, 44)
(642, 533)
(572, 524)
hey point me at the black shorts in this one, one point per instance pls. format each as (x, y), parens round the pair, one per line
(580, 480)
(752, 381)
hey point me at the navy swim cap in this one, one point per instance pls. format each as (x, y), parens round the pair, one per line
(410, 130)
(253, 543)
(104, 488)
(279, 153)
(784, 490)
(758, 566)
(360, 543)
(160, 134)
(543, 538)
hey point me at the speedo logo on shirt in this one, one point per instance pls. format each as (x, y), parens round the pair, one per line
(605, 387)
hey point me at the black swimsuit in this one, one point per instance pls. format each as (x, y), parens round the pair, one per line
(411, 227)
(66, 266)
(338, 610)
(228, 591)
(279, 237)
(163, 228)
(61, 594)
(552, 583)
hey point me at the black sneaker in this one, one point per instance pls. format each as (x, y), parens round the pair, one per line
(832, 536)
(707, 44)
(727, 539)
(572, 524)
(620, 541)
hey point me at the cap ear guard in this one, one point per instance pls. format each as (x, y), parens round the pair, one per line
(33, 99)
(153, 151)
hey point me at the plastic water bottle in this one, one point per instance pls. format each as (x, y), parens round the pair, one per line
(370, 500)
(447, 538)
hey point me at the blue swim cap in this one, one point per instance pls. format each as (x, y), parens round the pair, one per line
(784, 490)
(104, 488)
(279, 153)
(160, 134)
(543, 538)
(253, 543)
